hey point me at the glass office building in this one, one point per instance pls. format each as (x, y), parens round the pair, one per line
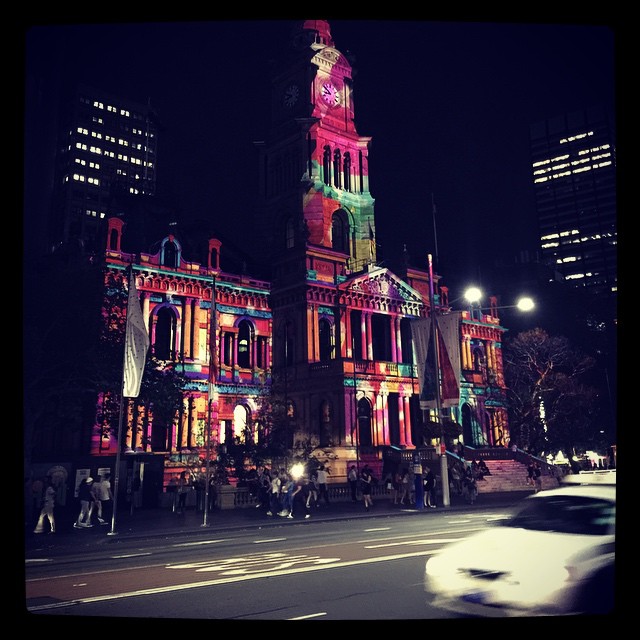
(574, 178)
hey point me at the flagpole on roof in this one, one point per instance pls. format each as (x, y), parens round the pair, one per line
(136, 344)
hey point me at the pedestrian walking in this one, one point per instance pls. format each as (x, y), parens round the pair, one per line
(429, 483)
(396, 484)
(184, 486)
(537, 477)
(366, 480)
(95, 497)
(38, 487)
(312, 491)
(405, 487)
(456, 478)
(103, 498)
(352, 477)
(323, 493)
(530, 473)
(48, 505)
(213, 492)
(286, 491)
(86, 504)
(470, 488)
(299, 498)
(274, 505)
(264, 488)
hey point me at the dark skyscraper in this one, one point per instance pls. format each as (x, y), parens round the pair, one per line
(574, 178)
(106, 156)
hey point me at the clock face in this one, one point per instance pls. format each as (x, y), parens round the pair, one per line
(330, 94)
(291, 95)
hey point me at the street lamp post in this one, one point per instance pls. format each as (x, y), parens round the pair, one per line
(444, 469)
(356, 424)
(211, 398)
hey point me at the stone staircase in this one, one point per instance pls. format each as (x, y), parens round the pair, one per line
(510, 475)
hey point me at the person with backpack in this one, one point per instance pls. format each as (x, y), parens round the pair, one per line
(86, 504)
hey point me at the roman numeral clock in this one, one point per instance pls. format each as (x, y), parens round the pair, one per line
(291, 95)
(330, 94)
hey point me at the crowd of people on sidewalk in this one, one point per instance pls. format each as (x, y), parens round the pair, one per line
(290, 495)
(95, 497)
(278, 493)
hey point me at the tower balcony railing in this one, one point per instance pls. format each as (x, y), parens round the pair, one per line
(364, 367)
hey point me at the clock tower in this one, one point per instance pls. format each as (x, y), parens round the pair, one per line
(315, 228)
(314, 175)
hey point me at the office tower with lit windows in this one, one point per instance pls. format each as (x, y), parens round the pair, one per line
(574, 179)
(105, 157)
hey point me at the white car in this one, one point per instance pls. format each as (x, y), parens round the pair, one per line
(555, 556)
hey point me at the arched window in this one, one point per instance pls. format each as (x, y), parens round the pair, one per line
(170, 255)
(347, 171)
(165, 334)
(325, 330)
(477, 356)
(241, 434)
(245, 344)
(339, 239)
(326, 165)
(471, 428)
(337, 168)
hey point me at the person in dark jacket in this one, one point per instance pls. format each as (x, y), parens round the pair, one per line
(86, 504)
(429, 481)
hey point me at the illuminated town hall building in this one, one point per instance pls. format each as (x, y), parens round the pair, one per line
(332, 326)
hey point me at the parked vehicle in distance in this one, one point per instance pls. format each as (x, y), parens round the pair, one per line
(555, 556)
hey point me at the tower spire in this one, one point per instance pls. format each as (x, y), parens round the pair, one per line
(312, 32)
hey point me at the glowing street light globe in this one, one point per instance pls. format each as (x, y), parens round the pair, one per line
(296, 470)
(473, 295)
(525, 304)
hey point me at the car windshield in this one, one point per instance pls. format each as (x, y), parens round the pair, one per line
(566, 514)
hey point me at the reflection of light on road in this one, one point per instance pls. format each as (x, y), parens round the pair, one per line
(200, 542)
(255, 563)
(412, 542)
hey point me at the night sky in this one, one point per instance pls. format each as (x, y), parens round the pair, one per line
(448, 105)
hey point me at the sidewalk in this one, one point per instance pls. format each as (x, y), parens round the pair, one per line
(163, 522)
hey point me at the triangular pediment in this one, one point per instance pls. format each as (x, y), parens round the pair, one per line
(382, 283)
